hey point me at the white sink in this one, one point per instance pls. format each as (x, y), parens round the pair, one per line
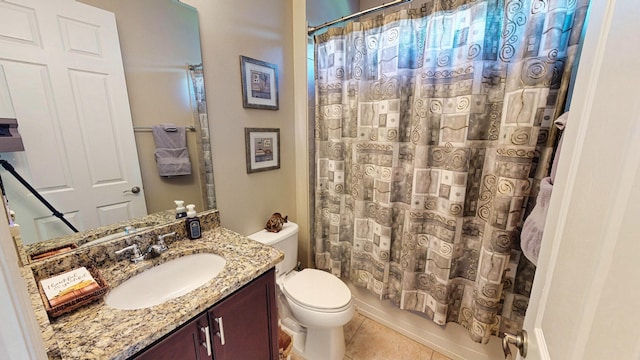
(165, 282)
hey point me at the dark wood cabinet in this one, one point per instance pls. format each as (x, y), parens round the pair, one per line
(244, 325)
(186, 343)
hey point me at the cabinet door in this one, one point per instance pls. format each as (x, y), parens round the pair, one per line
(186, 343)
(244, 325)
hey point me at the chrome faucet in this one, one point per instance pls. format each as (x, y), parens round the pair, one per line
(137, 256)
(159, 247)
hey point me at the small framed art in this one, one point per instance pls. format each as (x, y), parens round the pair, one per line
(259, 84)
(262, 148)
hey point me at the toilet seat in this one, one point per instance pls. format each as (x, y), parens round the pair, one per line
(317, 290)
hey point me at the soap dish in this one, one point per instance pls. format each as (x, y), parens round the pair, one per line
(68, 306)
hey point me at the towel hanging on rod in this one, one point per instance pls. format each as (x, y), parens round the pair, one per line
(172, 156)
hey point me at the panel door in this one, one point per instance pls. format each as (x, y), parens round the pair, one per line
(584, 297)
(247, 321)
(61, 76)
(186, 343)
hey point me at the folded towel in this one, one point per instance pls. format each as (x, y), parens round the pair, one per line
(169, 136)
(172, 156)
(173, 162)
(531, 235)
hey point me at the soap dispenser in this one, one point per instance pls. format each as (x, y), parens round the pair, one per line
(181, 212)
(193, 223)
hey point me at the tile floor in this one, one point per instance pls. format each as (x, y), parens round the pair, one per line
(369, 340)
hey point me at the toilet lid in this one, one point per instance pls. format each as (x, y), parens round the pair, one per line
(317, 289)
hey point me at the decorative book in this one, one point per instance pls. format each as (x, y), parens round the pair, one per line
(70, 290)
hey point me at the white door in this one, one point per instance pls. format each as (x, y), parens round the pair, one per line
(61, 76)
(584, 298)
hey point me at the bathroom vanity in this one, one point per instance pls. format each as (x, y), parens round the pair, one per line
(240, 298)
(242, 326)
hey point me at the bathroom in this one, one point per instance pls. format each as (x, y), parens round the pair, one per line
(245, 200)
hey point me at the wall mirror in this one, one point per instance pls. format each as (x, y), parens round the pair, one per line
(160, 54)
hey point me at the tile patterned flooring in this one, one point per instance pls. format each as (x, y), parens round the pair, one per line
(369, 340)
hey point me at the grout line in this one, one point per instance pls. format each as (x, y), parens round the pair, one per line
(355, 332)
(360, 327)
(386, 328)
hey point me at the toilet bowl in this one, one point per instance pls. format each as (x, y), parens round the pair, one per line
(320, 304)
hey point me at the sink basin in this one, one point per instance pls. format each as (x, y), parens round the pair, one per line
(165, 282)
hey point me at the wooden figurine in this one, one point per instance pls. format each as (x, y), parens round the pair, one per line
(275, 223)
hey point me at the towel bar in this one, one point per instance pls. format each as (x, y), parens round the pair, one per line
(149, 128)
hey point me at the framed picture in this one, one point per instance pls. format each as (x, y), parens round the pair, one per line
(259, 84)
(263, 149)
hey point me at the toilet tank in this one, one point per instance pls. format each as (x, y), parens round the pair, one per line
(286, 241)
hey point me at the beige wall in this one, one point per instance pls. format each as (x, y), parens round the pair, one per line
(368, 4)
(158, 38)
(321, 11)
(260, 30)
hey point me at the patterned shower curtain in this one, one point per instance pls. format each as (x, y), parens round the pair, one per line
(433, 128)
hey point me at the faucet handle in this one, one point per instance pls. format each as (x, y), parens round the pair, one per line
(159, 247)
(134, 247)
(162, 237)
(137, 256)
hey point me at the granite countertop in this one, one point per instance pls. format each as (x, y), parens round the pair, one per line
(97, 331)
(85, 237)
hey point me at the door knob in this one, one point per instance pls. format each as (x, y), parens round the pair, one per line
(134, 190)
(520, 340)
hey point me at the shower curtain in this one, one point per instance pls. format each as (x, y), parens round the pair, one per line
(433, 127)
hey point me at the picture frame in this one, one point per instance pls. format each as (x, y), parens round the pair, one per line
(259, 84)
(262, 149)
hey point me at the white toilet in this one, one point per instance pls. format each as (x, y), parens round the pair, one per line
(319, 301)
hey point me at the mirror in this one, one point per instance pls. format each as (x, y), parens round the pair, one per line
(159, 40)
(30, 253)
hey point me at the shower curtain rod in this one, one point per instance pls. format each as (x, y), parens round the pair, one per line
(313, 29)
